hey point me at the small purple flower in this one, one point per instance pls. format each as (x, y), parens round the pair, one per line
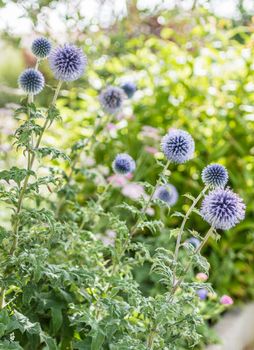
(178, 146)
(41, 47)
(31, 81)
(195, 242)
(202, 293)
(67, 62)
(111, 99)
(223, 209)
(123, 164)
(129, 88)
(215, 175)
(226, 300)
(167, 193)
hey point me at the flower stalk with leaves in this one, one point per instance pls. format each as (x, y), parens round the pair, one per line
(68, 278)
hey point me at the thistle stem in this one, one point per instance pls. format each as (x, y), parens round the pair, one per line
(37, 64)
(30, 161)
(2, 299)
(194, 5)
(104, 193)
(197, 250)
(144, 209)
(30, 98)
(150, 340)
(179, 237)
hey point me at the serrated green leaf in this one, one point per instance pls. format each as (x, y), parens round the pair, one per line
(98, 340)
(16, 174)
(57, 318)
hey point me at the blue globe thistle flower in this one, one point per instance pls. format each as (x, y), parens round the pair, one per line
(111, 99)
(215, 175)
(67, 62)
(123, 164)
(202, 293)
(129, 88)
(167, 193)
(41, 47)
(195, 242)
(223, 209)
(178, 146)
(31, 81)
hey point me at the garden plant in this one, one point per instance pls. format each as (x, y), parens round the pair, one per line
(70, 265)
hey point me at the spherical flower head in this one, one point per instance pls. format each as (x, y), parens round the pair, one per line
(202, 293)
(166, 193)
(123, 164)
(178, 146)
(129, 88)
(41, 47)
(202, 277)
(195, 242)
(31, 81)
(215, 175)
(67, 62)
(111, 99)
(226, 300)
(223, 209)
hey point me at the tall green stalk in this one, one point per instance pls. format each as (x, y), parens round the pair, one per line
(181, 230)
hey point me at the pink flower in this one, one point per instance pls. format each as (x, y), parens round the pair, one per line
(151, 150)
(117, 180)
(111, 127)
(150, 132)
(202, 277)
(108, 239)
(150, 211)
(133, 191)
(129, 176)
(111, 234)
(226, 300)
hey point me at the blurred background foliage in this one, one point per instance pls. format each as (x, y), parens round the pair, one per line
(193, 70)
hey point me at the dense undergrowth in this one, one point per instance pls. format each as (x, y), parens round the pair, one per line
(89, 257)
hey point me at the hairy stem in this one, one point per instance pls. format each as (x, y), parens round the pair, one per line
(30, 162)
(197, 250)
(143, 211)
(150, 340)
(194, 5)
(37, 64)
(179, 237)
(2, 298)
(148, 202)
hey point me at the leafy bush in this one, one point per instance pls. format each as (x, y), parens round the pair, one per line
(70, 262)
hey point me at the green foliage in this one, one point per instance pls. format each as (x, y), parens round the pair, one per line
(65, 282)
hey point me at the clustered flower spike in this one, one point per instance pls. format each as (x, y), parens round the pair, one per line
(167, 193)
(129, 88)
(215, 175)
(223, 209)
(31, 81)
(123, 164)
(67, 62)
(41, 47)
(178, 146)
(111, 99)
